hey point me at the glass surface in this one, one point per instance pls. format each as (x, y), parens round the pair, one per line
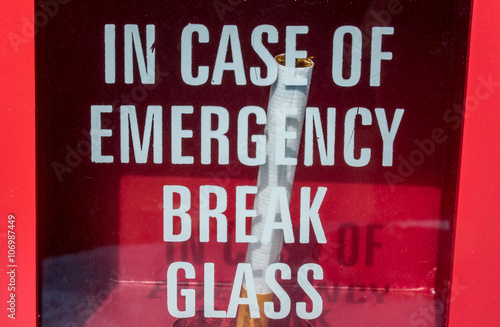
(152, 116)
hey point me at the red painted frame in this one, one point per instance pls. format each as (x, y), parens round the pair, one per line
(17, 164)
(476, 265)
(476, 287)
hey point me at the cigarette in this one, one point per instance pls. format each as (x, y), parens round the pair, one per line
(260, 255)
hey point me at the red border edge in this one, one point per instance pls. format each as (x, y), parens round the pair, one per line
(476, 283)
(17, 165)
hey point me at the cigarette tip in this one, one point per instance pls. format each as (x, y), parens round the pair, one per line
(299, 62)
